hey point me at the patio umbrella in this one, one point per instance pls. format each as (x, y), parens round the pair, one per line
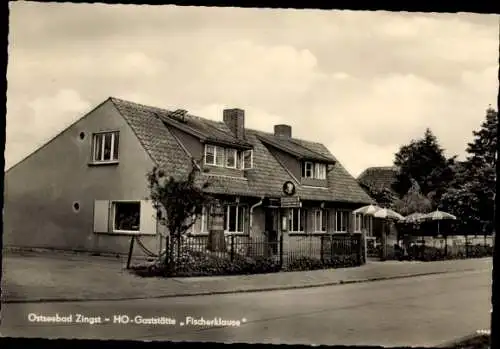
(387, 213)
(367, 210)
(439, 216)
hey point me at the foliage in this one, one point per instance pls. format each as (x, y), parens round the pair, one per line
(311, 263)
(178, 201)
(423, 161)
(413, 201)
(181, 199)
(384, 197)
(205, 264)
(430, 253)
(471, 195)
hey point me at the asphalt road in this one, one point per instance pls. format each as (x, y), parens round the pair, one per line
(421, 311)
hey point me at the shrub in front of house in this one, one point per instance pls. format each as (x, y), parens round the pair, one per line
(430, 253)
(205, 264)
(304, 263)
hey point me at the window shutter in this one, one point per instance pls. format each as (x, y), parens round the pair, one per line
(101, 216)
(148, 218)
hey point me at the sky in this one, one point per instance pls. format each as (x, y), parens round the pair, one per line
(362, 83)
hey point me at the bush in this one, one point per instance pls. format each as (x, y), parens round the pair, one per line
(429, 253)
(310, 263)
(205, 264)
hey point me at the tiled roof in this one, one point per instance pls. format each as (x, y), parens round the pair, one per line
(267, 176)
(379, 178)
(294, 147)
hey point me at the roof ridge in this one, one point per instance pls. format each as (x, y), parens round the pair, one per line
(220, 122)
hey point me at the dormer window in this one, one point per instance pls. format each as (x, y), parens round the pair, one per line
(313, 170)
(231, 155)
(320, 171)
(228, 157)
(308, 169)
(247, 159)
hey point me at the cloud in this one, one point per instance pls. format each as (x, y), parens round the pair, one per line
(42, 119)
(361, 82)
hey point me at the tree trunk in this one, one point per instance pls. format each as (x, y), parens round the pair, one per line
(216, 238)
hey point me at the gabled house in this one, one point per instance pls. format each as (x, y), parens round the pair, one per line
(86, 189)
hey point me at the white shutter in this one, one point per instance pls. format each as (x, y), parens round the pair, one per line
(148, 218)
(101, 216)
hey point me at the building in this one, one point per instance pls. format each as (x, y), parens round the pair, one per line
(86, 189)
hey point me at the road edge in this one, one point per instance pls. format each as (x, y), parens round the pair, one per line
(233, 291)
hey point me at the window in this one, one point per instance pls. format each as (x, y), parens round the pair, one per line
(320, 171)
(341, 221)
(219, 156)
(235, 218)
(127, 216)
(320, 220)
(247, 159)
(358, 222)
(307, 169)
(296, 220)
(209, 154)
(313, 170)
(205, 219)
(105, 146)
(231, 158)
(228, 157)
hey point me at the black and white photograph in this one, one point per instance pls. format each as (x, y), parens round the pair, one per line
(249, 175)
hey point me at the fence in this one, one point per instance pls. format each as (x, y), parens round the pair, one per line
(451, 247)
(327, 249)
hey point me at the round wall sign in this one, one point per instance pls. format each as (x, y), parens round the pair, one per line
(289, 188)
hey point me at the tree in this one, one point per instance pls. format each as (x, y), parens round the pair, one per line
(413, 201)
(181, 201)
(472, 193)
(384, 197)
(423, 160)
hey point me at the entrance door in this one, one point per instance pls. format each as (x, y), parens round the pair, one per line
(271, 227)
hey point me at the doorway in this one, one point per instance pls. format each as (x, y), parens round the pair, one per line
(271, 228)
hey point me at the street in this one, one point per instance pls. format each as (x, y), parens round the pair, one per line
(417, 311)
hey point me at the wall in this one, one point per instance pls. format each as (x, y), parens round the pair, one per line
(40, 191)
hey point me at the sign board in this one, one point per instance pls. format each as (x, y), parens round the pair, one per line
(289, 188)
(290, 202)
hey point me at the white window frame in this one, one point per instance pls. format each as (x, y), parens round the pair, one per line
(113, 217)
(214, 152)
(299, 220)
(226, 156)
(113, 150)
(306, 163)
(343, 214)
(205, 212)
(358, 222)
(322, 214)
(220, 150)
(243, 159)
(238, 207)
(320, 171)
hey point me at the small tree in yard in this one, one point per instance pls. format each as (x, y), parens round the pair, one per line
(414, 201)
(182, 200)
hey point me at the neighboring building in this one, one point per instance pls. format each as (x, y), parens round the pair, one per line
(86, 189)
(378, 181)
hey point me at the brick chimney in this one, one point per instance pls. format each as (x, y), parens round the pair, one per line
(284, 131)
(235, 121)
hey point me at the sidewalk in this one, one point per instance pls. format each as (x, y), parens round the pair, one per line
(43, 278)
